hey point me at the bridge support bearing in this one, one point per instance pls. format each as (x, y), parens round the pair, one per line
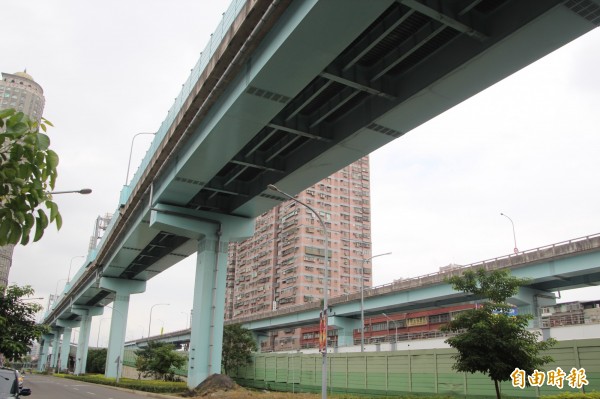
(214, 232)
(86, 313)
(55, 350)
(118, 322)
(45, 350)
(345, 326)
(65, 349)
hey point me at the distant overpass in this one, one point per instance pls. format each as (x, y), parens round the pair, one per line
(562, 266)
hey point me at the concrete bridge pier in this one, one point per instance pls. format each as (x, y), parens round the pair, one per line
(345, 326)
(86, 313)
(118, 321)
(55, 344)
(44, 353)
(259, 338)
(65, 349)
(529, 301)
(209, 298)
(213, 232)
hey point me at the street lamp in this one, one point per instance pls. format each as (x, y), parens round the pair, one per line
(152, 308)
(396, 334)
(131, 151)
(514, 235)
(30, 299)
(99, 328)
(71, 264)
(325, 284)
(82, 191)
(56, 289)
(187, 319)
(362, 300)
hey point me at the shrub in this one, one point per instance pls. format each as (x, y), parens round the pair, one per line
(138, 385)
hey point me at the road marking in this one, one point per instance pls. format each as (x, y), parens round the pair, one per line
(91, 393)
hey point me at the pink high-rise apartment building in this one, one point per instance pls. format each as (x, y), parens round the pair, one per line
(283, 263)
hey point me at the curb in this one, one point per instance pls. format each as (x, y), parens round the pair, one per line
(144, 393)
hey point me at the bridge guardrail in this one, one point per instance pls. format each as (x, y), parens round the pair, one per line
(216, 37)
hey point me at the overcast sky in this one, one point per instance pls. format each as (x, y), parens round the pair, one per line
(528, 146)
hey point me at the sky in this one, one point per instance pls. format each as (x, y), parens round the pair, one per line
(528, 146)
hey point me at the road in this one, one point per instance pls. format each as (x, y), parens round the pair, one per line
(48, 387)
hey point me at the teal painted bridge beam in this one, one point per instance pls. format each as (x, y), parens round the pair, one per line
(118, 325)
(213, 232)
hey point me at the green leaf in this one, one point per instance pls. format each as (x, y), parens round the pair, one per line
(5, 227)
(14, 119)
(29, 220)
(52, 159)
(25, 236)
(39, 231)
(58, 221)
(43, 141)
(47, 122)
(42, 218)
(53, 210)
(20, 217)
(18, 128)
(15, 233)
(5, 113)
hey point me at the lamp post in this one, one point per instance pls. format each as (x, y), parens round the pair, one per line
(99, 328)
(56, 288)
(514, 235)
(71, 264)
(131, 151)
(396, 333)
(187, 319)
(82, 191)
(162, 325)
(152, 308)
(362, 300)
(325, 286)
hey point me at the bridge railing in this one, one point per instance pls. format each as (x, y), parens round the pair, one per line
(513, 260)
(205, 56)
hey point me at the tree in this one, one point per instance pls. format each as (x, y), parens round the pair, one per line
(489, 339)
(96, 361)
(238, 344)
(18, 328)
(159, 360)
(28, 170)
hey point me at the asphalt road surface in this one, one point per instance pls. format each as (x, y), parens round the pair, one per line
(48, 387)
